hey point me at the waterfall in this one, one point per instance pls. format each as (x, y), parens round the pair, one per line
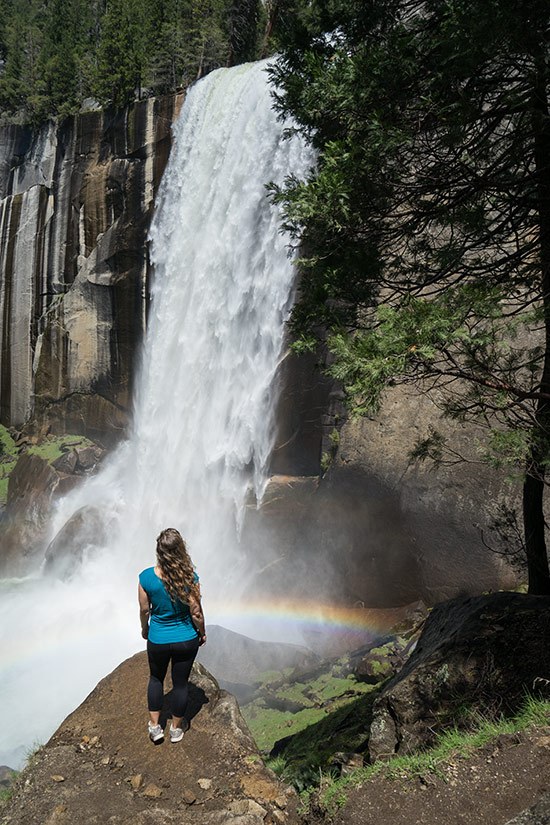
(203, 426)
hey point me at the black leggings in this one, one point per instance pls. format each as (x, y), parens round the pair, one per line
(182, 655)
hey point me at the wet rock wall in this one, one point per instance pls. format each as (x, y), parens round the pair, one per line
(75, 205)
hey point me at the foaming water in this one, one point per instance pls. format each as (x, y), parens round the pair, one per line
(204, 410)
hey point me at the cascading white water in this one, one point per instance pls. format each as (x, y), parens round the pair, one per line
(203, 425)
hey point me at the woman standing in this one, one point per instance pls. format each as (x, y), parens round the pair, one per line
(172, 621)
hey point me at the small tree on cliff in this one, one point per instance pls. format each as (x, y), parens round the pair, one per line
(426, 224)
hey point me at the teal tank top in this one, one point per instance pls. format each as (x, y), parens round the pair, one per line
(170, 621)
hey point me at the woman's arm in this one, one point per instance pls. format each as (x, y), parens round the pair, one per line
(144, 611)
(197, 616)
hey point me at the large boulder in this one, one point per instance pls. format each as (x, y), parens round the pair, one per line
(34, 484)
(481, 654)
(100, 767)
(31, 489)
(85, 531)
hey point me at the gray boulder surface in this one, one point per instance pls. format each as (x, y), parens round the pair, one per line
(538, 814)
(481, 653)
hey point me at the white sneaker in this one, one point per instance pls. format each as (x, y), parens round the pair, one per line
(156, 733)
(176, 734)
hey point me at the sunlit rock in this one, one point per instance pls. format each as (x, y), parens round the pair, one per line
(111, 772)
(75, 206)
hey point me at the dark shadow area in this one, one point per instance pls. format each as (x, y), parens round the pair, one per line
(345, 730)
(197, 699)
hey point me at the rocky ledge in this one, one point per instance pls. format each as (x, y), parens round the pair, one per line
(100, 767)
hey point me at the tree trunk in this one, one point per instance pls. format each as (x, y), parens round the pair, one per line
(533, 520)
(533, 488)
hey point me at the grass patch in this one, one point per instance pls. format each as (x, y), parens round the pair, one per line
(268, 725)
(267, 677)
(50, 450)
(5, 795)
(449, 745)
(7, 792)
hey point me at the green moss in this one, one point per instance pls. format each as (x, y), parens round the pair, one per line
(6, 466)
(5, 795)
(326, 461)
(268, 677)
(52, 448)
(380, 668)
(8, 458)
(268, 725)
(7, 444)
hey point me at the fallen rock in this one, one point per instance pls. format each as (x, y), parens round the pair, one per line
(136, 781)
(378, 664)
(152, 791)
(7, 777)
(66, 463)
(88, 457)
(483, 653)
(347, 762)
(216, 764)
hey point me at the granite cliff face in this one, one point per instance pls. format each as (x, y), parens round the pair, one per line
(76, 201)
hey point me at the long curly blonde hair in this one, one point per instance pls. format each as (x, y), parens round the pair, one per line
(176, 566)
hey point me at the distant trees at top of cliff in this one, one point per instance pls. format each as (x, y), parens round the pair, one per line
(57, 53)
(425, 227)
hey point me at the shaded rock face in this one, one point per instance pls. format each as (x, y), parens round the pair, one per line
(33, 486)
(76, 203)
(424, 524)
(481, 653)
(240, 660)
(31, 489)
(84, 531)
(375, 529)
(100, 766)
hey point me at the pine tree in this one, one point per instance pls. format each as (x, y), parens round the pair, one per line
(427, 222)
(121, 52)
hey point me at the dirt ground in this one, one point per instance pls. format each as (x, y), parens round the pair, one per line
(490, 788)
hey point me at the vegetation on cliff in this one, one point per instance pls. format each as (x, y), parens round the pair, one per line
(56, 54)
(426, 225)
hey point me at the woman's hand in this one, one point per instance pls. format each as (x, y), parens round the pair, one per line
(197, 617)
(145, 632)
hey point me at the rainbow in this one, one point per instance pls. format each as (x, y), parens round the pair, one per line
(324, 626)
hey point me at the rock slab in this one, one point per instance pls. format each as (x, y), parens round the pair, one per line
(112, 773)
